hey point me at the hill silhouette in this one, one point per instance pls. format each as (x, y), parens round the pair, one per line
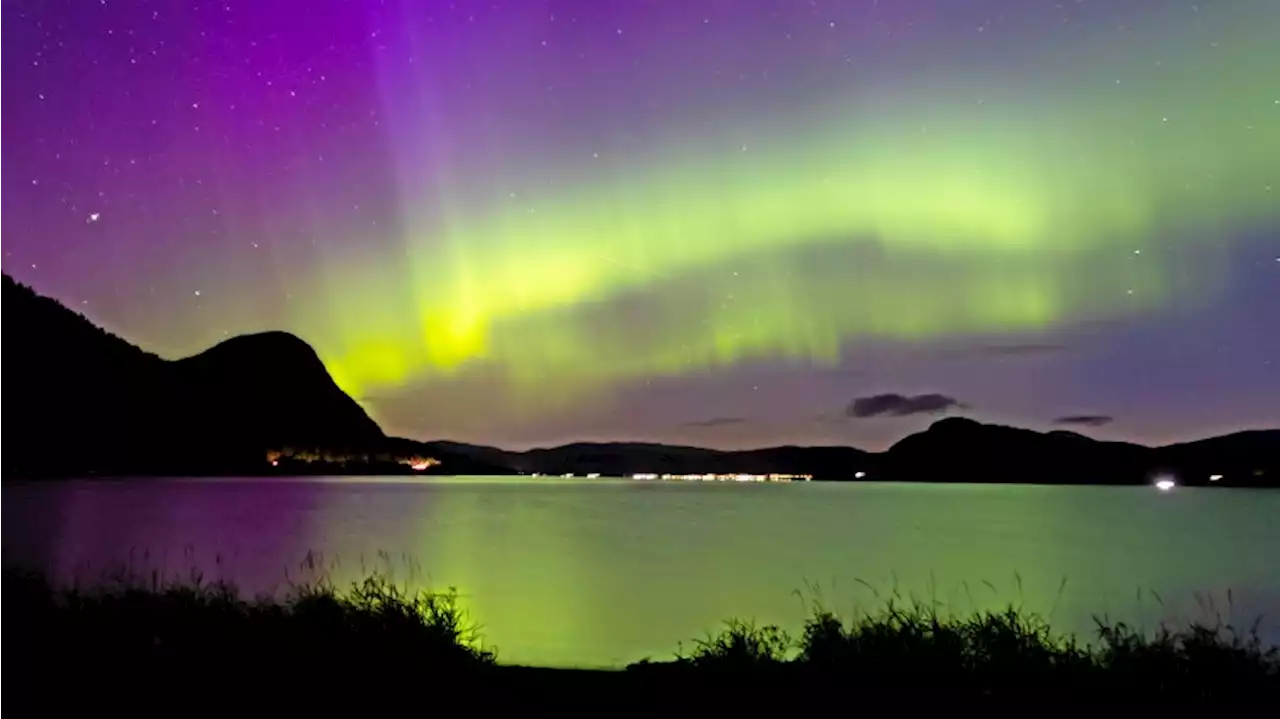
(623, 458)
(951, 450)
(272, 389)
(956, 448)
(82, 401)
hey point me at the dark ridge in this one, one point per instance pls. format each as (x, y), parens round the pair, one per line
(273, 388)
(83, 401)
(456, 458)
(626, 458)
(1250, 458)
(957, 449)
(954, 449)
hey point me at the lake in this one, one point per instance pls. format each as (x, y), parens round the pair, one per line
(605, 572)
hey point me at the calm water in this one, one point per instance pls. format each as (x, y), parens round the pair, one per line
(600, 572)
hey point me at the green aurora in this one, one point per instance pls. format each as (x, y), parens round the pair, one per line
(489, 227)
(914, 215)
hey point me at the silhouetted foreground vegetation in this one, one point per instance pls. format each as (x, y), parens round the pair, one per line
(148, 628)
(153, 621)
(1002, 653)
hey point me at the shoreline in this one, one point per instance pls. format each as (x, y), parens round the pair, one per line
(410, 477)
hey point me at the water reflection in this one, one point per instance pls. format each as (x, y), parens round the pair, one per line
(605, 572)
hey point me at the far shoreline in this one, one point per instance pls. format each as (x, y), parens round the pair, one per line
(409, 477)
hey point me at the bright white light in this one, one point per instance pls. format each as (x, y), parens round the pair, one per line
(420, 466)
(1215, 477)
(1164, 485)
(859, 475)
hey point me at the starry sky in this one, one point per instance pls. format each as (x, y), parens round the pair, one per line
(718, 222)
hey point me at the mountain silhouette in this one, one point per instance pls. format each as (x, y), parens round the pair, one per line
(82, 401)
(956, 449)
(624, 458)
(272, 390)
(1249, 458)
(950, 450)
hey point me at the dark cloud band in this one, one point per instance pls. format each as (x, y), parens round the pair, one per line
(898, 405)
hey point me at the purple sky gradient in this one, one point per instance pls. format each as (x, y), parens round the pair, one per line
(184, 171)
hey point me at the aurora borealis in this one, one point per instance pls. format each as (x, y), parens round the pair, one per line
(528, 222)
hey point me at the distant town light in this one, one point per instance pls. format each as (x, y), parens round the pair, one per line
(1215, 477)
(1164, 485)
(736, 477)
(859, 475)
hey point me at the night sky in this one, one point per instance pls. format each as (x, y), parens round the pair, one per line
(717, 222)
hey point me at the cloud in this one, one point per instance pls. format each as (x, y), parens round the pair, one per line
(898, 405)
(1085, 420)
(715, 422)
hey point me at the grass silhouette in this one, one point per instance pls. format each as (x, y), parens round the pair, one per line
(1004, 653)
(151, 622)
(374, 629)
